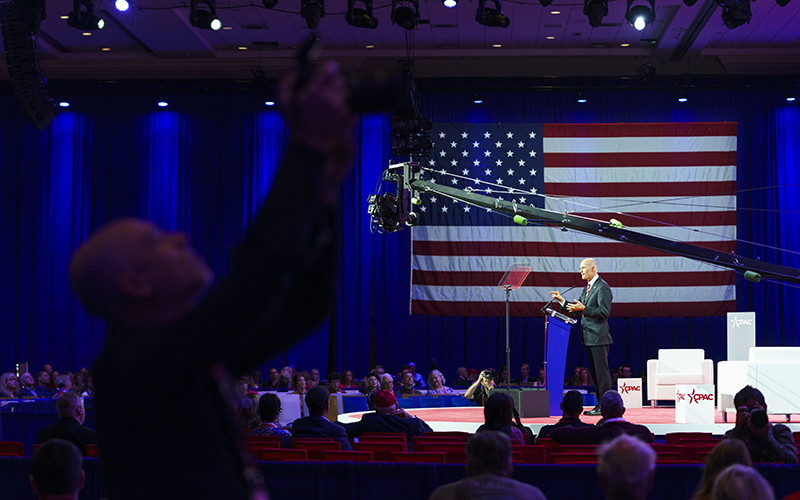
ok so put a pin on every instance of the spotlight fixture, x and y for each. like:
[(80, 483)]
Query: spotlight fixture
[(689, 3), (63, 104), (492, 18), (450, 3), (122, 5), (271, 4), (790, 96), (683, 96), (162, 104), (735, 12), (581, 99), (84, 20), (595, 10), (640, 16), (205, 19), (545, 3), (782, 3), (477, 98), (405, 13), (312, 11), (360, 18)]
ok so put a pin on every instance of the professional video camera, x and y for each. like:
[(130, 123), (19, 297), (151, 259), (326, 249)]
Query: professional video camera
[(390, 212)]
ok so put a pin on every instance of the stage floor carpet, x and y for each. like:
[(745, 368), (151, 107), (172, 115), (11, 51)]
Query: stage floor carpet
[(660, 421)]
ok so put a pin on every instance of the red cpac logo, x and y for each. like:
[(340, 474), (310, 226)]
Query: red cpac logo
[(695, 397), (625, 389)]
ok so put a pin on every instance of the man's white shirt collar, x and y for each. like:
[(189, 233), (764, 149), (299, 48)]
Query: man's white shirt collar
[(593, 280)]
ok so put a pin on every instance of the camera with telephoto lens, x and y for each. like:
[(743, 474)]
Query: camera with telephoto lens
[(758, 417), (490, 375)]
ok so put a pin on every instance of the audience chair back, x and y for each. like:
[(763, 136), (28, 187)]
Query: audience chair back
[(92, 451), (251, 440), (418, 440), (315, 450), (381, 452), (462, 436), (400, 438), (455, 453), (12, 449), (675, 437), (347, 456), (574, 458), (428, 457), (281, 455), (530, 454)]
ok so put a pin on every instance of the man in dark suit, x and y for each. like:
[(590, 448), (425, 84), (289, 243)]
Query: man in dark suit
[(595, 306), (388, 418), (316, 424), (612, 409), (70, 426), (571, 408), (57, 471)]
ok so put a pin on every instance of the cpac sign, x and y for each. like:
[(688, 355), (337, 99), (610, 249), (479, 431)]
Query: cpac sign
[(694, 397), (737, 323), (694, 404), (630, 389)]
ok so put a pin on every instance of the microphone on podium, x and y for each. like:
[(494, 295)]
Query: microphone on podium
[(551, 299)]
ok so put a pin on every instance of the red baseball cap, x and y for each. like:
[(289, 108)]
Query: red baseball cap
[(385, 399)]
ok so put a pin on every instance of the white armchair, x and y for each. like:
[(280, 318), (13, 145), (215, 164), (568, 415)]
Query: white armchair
[(677, 367), (770, 370)]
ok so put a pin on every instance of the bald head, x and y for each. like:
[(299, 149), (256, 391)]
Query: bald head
[(130, 268), (588, 269)]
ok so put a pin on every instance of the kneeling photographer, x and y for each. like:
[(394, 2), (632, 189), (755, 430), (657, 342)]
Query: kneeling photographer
[(766, 442), (481, 389)]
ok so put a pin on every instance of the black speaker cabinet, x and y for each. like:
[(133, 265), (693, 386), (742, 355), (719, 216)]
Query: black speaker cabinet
[(529, 403)]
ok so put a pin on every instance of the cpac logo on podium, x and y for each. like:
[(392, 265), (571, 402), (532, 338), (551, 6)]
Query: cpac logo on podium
[(736, 322), (695, 397), (625, 389)]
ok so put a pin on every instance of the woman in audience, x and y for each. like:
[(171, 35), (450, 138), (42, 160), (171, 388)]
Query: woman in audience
[(436, 384), (9, 386), (581, 378), (42, 388), (334, 383), (247, 411), (299, 383), (739, 482), (348, 380), (286, 376), (728, 452), (269, 408), (313, 379), (78, 383), (539, 382), (370, 388), (497, 414)]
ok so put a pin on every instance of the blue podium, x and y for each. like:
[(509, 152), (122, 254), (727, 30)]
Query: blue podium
[(556, 340)]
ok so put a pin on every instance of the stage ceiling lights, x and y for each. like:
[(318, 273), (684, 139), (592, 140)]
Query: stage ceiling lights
[(581, 98), (477, 98), (122, 5), (640, 16), (689, 3), (450, 3), (405, 13), (735, 12), (545, 3), (595, 11), (790, 96), (270, 4), (360, 18), (683, 96), (202, 18), (782, 3), (312, 11), (492, 18), (84, 20)]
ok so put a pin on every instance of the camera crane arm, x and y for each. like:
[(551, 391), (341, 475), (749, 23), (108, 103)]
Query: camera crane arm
[(753, 269)]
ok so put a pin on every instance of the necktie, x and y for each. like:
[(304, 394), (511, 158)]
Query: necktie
[(588, 287)]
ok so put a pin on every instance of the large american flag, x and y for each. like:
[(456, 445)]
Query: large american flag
[(673, 180)]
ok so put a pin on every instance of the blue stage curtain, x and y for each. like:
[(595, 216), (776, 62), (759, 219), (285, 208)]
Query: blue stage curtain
[(203, 165)]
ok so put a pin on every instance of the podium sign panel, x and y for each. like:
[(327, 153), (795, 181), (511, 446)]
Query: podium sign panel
[(631, 391), (557, 339), (741, 335), (694, 404)]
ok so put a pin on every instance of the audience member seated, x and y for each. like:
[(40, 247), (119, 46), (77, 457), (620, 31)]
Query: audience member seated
[(247, 411), (497, 415), (9, 386), (269, 409), (625, 468), (386, 382), (242, 387), (286, 375), (767, 442), (571, 408), (739, 482), (313, 379), (274, 381), (316, 424), (489, 472), (334, 383), (524, 375), (728, 452), (370, 389), (42, 382), (378, 370), (408, 385), (89, 392), (502, 376), (436, 384), (53, 376), (78, 382), (63, 384), (71, 414), (524, 429), (57, 471), (299, 383), (388, 418), (419, 381), (256, 380), (472, 375), (481, 389), (581, 378), (612, 409), (27, 386), (348, 380), (461, 379)]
